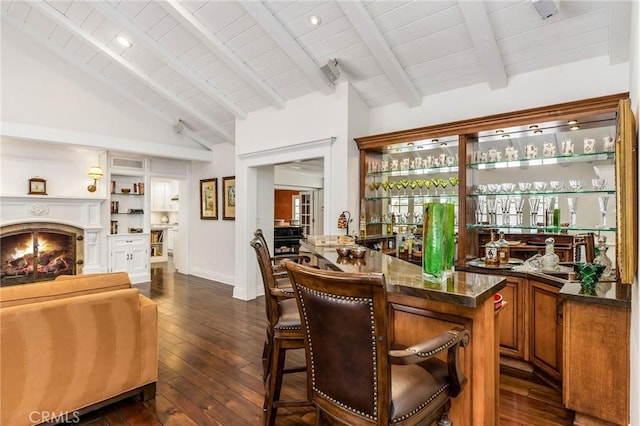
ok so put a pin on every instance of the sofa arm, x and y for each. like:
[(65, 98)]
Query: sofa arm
[(148, 340)]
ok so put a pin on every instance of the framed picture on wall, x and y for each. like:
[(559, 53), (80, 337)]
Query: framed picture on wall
[(209, 199), (229, 198)]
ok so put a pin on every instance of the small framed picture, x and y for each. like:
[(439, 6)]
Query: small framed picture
[(209, 199), (229, 198)]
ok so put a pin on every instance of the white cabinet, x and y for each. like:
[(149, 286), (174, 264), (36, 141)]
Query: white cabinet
[(130, 253), (161, 194), (172, 235)]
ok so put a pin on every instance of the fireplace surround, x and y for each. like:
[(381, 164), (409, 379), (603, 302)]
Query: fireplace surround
[(43, 237)]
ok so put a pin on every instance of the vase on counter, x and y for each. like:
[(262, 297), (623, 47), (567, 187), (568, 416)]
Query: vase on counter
[(589, 274), (438, 239)]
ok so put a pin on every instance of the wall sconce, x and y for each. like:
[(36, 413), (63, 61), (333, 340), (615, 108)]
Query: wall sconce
[(343, 221), (95, 173)]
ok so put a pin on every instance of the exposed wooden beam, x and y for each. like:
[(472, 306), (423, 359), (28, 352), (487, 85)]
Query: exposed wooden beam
[(226, 55), (65, 23), (176, 64), (619, 31), (19, 25), (370, 34), (281, 36), (487, 52)]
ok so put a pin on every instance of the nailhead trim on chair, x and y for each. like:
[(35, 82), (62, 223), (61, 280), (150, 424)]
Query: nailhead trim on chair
[(421, 406), (438, 349), (369, 302)]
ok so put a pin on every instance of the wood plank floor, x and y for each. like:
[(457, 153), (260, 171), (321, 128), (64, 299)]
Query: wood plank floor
[(210, 371)]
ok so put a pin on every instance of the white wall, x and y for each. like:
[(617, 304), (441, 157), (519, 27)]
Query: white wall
[(211, 243)]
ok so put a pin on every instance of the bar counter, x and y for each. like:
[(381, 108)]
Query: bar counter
[(420, 309)]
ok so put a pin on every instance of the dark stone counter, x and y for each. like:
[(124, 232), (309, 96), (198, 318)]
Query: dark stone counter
[(462, 288)]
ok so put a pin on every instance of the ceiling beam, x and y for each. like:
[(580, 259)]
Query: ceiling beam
[(169, 120), (176, 64), (65, 23), (375, 41), (281, 36), (486, 47), (226, 55), (619, 31)]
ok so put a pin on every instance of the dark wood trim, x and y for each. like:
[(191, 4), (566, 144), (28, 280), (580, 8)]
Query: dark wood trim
[(574, 109)]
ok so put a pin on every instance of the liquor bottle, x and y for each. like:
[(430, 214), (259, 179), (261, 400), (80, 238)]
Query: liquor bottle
[(503, 250), (363, 220), (491, 259)]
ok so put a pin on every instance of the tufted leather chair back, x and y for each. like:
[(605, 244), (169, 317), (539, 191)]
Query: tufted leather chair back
[(268, 279), (344, 319)]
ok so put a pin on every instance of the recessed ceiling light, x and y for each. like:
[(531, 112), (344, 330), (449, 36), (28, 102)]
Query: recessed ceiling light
[(410, 144), (434, 140), (123, 40), (443, 144), (574, 127), (505, 136), (499, 131), (533, 126), (315, 20), (420, 147), (571, 122), (537, 132)]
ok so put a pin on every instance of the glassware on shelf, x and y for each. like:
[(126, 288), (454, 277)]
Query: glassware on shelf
[(386, 186), (598, 184), (534, 204), (524, 186), (508, 188), (550, 259), (505, 204), (549, 209), (573, 209), (492, 210), (576, 184), (443, 183), (480, 208), (603, 201), (404, 183), (413, 184), (556, 185), (602, 258), (427, 185), (376, 186), (539, 186), (420, 183), (519, 204), (454, 182), (493, 188)]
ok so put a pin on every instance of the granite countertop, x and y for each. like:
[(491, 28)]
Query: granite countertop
[(462, 288), (607, 292)]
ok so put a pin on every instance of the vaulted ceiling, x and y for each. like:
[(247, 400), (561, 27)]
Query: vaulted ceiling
[(208, 63)]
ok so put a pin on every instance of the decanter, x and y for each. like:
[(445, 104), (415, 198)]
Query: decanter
[(602, 258), (550, 259)]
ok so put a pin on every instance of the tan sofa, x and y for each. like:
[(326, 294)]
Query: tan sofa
[(73, 345)]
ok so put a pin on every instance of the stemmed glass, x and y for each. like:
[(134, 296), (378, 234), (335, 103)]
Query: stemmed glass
[(573, 209), (519, 203), (443, 184), (376, 186), (603, 201), (534, 203), (436, 183), (576, 184), (404, 183), (598, 184), (427, 184), (420, 185), (412, 185), (505, 203), (386, 186), (480, 206), (492, 206), (454, 181), (549, 208)]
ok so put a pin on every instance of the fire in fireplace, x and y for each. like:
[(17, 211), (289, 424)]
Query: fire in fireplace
[(38, 254)]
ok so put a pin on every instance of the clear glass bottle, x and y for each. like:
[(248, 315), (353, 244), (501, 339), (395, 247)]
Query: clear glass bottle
[(504, 251), (550, 259), (602, 258), (491, 259)]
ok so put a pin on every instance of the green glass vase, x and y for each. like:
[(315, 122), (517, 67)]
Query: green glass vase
[(438, 239), (589, 274)]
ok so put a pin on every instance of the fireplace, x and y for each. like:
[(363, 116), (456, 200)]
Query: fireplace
[(39, 251)]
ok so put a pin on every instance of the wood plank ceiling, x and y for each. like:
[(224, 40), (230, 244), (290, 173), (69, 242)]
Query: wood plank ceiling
[(209, 63)]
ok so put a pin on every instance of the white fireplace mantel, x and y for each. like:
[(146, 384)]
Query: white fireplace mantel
[(82, 212)]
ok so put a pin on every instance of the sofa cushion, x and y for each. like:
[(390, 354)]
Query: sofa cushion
[(67, 287)]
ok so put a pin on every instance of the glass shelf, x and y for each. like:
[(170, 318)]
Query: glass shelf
[(517, 193), (422, 171), (539, 228), (127, 193), (405, 197), (129, 213), (559, 159)]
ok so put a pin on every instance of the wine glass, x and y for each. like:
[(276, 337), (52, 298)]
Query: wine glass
[(556, 185), (412, 185), (576, 184), (420, 185), (492, 206), (404, 183), (505, 204), (539, 186), (480, 206), (603, 201), (549, 207), (427, 185), (519, 203), (376, 186), (573, 209), (524, 186), (443, 183), (534, 203), (598, 184), (435, 182), (454, 181)]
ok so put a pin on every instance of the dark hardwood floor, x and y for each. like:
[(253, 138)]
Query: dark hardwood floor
[(210, 371)]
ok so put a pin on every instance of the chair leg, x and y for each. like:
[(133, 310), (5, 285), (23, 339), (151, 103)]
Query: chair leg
[(444, 418), (274, 384)]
